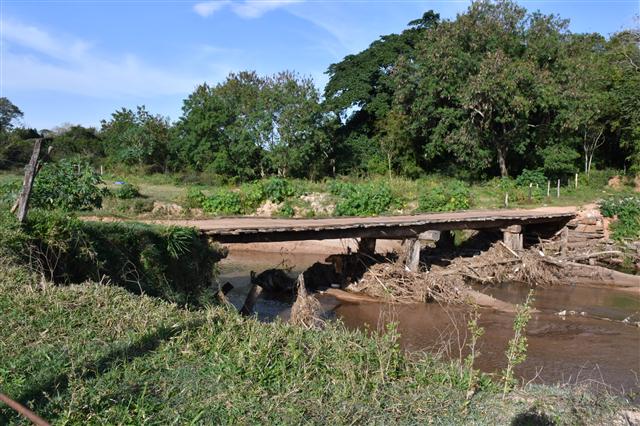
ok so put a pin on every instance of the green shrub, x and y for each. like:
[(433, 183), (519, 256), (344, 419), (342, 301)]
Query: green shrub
[(363, 199), (127, 191), (176, 264), (451, 196), (627, 211), (286, 210), (278, 189), (535, 177), (9, 191), (68, 186), (224, 201), (253, 195), (194, 198)]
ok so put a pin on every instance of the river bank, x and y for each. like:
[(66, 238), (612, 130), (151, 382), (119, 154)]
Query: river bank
[(94, 353)]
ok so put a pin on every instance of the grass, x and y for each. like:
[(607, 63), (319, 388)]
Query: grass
[(96, 354)]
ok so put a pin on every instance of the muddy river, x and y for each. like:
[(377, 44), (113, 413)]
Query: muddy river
[(578, 334)]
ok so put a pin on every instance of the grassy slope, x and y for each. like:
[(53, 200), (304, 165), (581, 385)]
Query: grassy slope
[(92, 354)]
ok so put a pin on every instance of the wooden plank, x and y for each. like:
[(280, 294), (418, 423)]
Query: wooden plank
[(394, 231)]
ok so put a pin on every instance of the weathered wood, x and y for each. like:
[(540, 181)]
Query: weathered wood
[(564, 240), (250, 301), (512, 237), (245, 230), (27, 184), (413, 248)]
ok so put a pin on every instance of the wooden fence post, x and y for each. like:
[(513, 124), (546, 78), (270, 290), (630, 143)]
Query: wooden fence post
[(27, 184), (558, 190), (548, 188)]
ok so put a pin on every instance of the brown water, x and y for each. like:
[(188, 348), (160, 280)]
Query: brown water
[(594, 344)]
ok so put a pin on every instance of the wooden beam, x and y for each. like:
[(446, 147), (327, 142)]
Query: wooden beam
[(392, 231)]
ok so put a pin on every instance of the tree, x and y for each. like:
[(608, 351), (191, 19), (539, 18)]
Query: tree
[(137, 138), (361, 88), (298, 145), (586, 94), (8, 113), (76, 140), (224, 128), (623, 55), (479, 90)]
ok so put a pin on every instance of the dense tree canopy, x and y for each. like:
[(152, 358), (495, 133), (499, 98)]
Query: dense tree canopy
[(495, 91)]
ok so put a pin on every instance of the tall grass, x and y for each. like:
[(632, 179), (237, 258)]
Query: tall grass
[(96, 354)]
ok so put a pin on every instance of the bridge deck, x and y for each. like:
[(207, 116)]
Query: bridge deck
[(255, 229)]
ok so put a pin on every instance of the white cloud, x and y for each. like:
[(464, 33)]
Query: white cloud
[(207, 8), (248, 9), (256, 8), (33, 59)]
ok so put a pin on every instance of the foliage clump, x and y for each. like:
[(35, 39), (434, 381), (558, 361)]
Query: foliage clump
[(127, 191), (223, 202), (176, 264), (68, 186), (366, 199), (450, 196), (278, 189), (627, 212)]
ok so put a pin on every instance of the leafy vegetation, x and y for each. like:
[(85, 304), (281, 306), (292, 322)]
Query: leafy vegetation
[(127, 191), (93, 353), (173, 263), (450, 196), (68, 186), (627, 212), (364, 199)]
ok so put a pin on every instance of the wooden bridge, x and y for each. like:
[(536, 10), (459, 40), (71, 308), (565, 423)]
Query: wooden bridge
[(255, 229)]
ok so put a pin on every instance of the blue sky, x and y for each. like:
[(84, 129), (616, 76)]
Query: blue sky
[(78, 61)]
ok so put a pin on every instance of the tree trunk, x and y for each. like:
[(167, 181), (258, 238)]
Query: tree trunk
[(502, 161)]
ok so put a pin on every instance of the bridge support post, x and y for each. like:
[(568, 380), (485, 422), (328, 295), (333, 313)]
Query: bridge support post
[(512, 237), (412, 261), (367, 246)]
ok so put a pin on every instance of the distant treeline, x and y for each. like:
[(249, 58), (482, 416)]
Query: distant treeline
[(491, 93)]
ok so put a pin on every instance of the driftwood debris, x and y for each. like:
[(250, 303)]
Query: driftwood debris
[(306, 310)]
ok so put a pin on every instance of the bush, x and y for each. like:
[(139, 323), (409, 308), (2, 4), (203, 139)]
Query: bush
[(535, 177), (253, 195), (174, 263), (627, 211), (451, 196), (286, 210), (363, 199), (67, 186), (226, 202), (9, 192), (127, 191), (278, 189), (195, 198)]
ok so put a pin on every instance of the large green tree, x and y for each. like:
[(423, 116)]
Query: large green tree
[(479, 92), (137, 138), (360, 92)]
